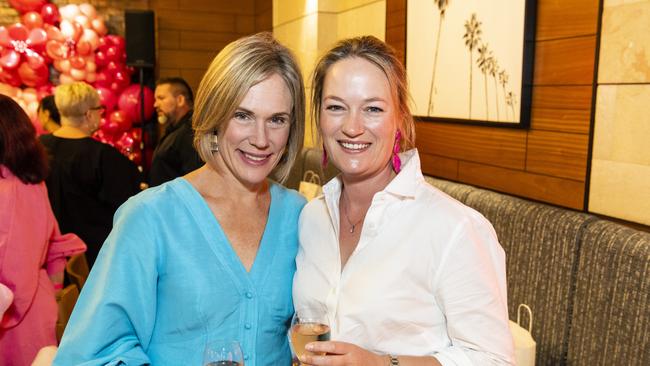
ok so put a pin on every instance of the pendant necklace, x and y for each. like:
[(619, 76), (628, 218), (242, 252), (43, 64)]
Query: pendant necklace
[(345, 213)]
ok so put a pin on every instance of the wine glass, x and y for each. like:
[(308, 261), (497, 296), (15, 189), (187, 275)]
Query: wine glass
[(309, 324), (223, 353)]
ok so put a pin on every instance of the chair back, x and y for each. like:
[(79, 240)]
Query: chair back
[(77, 270), (66, 299)]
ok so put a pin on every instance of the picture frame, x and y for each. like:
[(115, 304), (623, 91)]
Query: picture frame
[(471, 61)]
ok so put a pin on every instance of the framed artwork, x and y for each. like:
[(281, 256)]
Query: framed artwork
[(471, 61)]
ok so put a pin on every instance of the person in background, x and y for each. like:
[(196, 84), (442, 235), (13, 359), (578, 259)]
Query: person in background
[(88, 180), (32, 249), (408, 275), (210, 255), (175, 154), (48, 114)]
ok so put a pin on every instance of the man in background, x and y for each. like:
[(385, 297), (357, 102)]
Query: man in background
[(175, 154)]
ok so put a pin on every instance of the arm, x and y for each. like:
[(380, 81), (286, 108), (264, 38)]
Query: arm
[(341, 353), (113, 320)]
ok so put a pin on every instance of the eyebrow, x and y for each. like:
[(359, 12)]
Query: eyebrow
[(242, 109), (373, 99)]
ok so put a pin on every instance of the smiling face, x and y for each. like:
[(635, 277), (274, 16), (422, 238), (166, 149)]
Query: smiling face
[(358, 118), (255, 137)]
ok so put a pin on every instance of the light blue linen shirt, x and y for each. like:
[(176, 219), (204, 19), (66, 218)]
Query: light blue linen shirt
[(167, 281)]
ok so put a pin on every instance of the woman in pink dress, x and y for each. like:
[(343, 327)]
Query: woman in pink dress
[(32, 250)]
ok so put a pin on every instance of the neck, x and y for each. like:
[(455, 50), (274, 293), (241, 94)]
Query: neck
[(218, 184), (68, 130), (361, 191)]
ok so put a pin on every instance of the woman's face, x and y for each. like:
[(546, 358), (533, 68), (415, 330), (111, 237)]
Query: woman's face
[(358, 118), (257, 133)]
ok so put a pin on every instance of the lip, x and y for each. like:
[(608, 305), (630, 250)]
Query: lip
[(254, 159), (354, 147)]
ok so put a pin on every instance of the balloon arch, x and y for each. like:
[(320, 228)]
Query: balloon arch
[(52, 46)]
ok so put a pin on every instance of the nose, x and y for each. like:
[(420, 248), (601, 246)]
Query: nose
[(353, 124), (259, 137)]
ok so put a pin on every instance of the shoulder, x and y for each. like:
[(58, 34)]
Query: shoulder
[(289, 198)]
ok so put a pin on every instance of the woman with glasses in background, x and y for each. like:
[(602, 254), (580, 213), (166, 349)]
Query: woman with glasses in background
[(88, 179)]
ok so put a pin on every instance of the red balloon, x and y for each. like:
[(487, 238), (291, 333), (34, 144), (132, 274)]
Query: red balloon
[(100, 58), (24, 6), (117, 41), (106, 98), (32, 20), (50, 14), (33, 76), (129, 102), (121, 119), (104, 78), (113, 54), (125, 143), (10, 76)]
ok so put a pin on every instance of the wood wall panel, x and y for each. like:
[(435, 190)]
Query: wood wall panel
[(191, 40), (239, 7), (548, 161), (557, 154), (560, 19), (439, 166), (568, 61), (181, 59), (505, 148), (557, 191), (565, 120), (191, 20), (562, 97)]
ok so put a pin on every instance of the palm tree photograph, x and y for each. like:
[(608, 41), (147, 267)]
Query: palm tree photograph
[(467, 60)]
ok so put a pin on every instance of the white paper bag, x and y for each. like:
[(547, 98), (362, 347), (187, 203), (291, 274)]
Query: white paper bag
[(310, 185), (525, 345)]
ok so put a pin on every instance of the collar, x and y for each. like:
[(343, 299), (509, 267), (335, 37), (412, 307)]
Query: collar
[(187, 118), (404, 185)]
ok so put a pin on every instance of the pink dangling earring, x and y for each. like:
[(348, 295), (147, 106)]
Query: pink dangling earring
[(324, 160), (397, 163)]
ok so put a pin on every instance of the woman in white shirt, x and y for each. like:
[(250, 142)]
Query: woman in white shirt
[(408, 275)]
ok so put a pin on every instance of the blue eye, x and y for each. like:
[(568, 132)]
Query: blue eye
[(279, 121), (334, 107), (241, 116), (374, 109)]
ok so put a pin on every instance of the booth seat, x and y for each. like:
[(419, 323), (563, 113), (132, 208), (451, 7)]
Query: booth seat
[(586, 279)]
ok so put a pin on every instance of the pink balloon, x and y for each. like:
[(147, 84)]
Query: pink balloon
[(32, 20), (24, 6), (69, 11), (66, 79), (50, 14), (129, 102), (121, 119), (78, 74), (106, 98), (88, 10), (91, 77), (99, 26)]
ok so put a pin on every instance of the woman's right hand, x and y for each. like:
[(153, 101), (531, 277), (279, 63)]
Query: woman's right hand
[(341, 354)]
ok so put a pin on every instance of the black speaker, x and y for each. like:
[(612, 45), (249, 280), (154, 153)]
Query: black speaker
[(140, 38)]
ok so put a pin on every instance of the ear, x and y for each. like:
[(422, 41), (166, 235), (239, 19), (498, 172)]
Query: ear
[(180, 100)]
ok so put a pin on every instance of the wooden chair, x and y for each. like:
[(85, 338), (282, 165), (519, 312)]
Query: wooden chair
[(77, 270), (66, 299)]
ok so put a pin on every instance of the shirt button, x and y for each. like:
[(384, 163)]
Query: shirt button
[(247, 326), (246, 358), (249, 295)]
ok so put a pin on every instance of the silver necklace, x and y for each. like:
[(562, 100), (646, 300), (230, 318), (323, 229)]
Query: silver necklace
[(345, 213)]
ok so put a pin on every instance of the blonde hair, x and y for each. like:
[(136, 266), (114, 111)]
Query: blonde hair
[(74, 100), (239, 66), (381, 55)]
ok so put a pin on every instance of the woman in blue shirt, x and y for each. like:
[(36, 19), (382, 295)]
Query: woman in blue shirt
[(209, 255)]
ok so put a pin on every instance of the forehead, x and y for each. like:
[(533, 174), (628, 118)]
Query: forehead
[(163, 90), (356, 75)]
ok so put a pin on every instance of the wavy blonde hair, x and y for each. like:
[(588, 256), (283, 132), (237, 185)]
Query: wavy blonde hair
[(239, 66)]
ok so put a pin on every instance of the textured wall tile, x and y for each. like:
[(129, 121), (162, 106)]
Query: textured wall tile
[(625, 43)]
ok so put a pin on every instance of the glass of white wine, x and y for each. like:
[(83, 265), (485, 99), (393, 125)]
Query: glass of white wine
[(309, 324), (223, 353)]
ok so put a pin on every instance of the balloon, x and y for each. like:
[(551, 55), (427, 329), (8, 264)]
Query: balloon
[(32, 20), (113, 54), (100, 58), (88, 10), (106, 98), (121, 119), (50, 14), (24, 6), (33, 76), (10, 76), (104, 78), (78, 74), (69, 11), (99, 26), (129, 102), (117, 41), (125, 143)]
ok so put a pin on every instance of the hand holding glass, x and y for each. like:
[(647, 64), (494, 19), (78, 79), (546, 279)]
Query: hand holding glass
[(308, 325), (223, 353)]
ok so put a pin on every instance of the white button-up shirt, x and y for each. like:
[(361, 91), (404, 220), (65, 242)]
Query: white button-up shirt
[(426, 278)]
